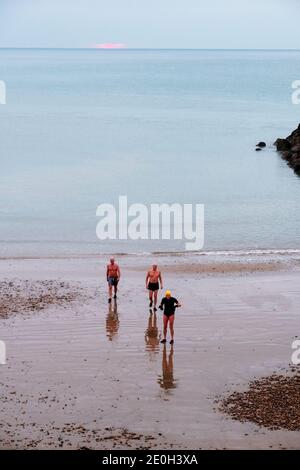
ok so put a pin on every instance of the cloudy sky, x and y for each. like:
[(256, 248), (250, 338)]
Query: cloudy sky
[(237, 24)]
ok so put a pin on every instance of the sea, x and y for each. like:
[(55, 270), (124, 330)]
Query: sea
[(82, 127)]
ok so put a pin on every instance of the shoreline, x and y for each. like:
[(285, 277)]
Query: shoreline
[(216, 252), (177, 263)]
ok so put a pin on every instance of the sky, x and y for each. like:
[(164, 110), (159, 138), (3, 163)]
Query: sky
[(199, 24)]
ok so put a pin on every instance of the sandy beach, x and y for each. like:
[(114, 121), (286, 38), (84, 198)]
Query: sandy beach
[(82, 375)]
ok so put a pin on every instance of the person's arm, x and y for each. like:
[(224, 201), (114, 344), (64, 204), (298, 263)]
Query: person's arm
[(147, 277), (161, 281), (162, 304), (119, 272), (107, 272), (178, 304)]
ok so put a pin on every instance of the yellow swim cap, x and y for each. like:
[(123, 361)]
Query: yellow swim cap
[(168, 293)]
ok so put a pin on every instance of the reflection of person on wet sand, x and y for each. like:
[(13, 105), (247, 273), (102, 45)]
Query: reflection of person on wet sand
[(112, 321), (151, 333), (166, 381)]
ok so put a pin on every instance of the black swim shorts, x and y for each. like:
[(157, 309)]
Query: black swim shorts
[(154, 286)]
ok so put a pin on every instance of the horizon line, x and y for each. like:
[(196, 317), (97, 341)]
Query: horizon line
[(150, 49)]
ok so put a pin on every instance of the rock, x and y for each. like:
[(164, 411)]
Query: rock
[(289, 149), (286, 155), (258, 149), (294, 160), (297, 169), (271, 402), (261, 144), (282, 145)]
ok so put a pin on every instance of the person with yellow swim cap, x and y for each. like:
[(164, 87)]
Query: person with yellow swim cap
[(169, 305)]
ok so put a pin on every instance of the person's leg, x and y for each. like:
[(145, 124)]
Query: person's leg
[(155, 299), (171, 319), (116, 289), (166, 320), (150, 297), (109, 291)]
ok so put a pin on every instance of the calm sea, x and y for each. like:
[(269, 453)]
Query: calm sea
[(82, 127)]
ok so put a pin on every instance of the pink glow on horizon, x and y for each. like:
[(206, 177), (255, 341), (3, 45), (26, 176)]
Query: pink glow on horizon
[(111, 45)]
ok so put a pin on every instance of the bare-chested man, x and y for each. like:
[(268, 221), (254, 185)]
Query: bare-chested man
[(153, 279), (113, 275)]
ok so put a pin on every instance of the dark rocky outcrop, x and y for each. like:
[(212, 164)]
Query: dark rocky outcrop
[(289, 149), (282, 145)]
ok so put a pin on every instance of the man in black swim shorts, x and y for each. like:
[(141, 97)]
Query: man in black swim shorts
[(153, 279)]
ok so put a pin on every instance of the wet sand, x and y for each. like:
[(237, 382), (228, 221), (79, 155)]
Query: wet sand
[(82, 375)]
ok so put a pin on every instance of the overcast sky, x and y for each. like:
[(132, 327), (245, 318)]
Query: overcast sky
[(237, 24)]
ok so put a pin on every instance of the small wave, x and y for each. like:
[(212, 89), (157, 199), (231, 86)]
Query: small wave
[(75, 254), (248, 252), (270, 251)]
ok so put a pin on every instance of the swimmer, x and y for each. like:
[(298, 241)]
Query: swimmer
[(153, 281), (169, 305)]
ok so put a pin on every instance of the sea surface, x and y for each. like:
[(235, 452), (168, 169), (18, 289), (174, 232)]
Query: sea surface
[(82, 127)]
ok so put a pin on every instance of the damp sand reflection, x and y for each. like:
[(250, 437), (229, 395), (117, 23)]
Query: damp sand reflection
[(152, 336), (166, 379), (112, 322)]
